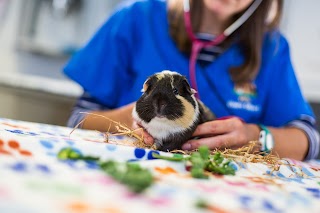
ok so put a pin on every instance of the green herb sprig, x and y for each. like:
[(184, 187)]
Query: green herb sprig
[(72, 154), (202, 161), (136, 178)]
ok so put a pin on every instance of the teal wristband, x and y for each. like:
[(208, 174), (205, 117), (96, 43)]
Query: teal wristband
[(266, 139)]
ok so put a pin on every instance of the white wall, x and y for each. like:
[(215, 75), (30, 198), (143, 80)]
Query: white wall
[(301, 26)]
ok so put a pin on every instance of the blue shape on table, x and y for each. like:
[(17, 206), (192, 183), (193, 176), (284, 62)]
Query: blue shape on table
[(69, 142), (92, 165), (111, 147), (150, 157), (307, 172), (245, 200), (19, 166), (16, 131), (314, 191), (32, 133), (269, 206), (139, 153), (43, 168), (234, 166), (46, 144)]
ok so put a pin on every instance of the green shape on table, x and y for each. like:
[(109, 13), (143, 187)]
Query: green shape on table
[(202, 161), (69, 153), (131, 174), (136, 178)]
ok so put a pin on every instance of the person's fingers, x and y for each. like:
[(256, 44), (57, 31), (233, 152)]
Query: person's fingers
[(216, 142), (218, 127), (147, 138), (139, 130)]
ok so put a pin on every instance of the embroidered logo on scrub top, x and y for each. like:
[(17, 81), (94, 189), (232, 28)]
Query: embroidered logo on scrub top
[(245, 93)]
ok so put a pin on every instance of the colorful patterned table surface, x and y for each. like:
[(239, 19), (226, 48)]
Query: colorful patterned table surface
[(33, 179)]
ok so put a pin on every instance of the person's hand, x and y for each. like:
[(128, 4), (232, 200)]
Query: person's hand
[(147, 138), (226, 133)]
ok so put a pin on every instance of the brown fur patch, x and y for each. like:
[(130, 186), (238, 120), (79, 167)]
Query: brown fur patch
[(189, 115)]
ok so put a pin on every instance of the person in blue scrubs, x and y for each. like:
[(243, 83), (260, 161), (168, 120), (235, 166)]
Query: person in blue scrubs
[(246, 78)]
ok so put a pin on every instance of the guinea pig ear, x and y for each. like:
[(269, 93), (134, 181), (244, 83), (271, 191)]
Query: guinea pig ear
[(193, 91), (145, 86)]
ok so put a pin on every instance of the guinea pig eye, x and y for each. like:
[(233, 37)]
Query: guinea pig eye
[(175, 91)]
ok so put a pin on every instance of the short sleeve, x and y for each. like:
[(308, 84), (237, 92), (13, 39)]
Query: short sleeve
[(284, 102), (102, 66)]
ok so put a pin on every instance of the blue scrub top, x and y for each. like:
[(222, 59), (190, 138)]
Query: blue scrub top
[(134, 43)]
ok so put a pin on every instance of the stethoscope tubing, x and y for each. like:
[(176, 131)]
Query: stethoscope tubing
[(197, 44)]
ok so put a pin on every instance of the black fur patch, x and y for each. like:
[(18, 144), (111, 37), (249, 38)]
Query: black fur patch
[(160, 99)]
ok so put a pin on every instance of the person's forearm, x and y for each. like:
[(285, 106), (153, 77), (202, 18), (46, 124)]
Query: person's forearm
[(100, 120), (288, 142)]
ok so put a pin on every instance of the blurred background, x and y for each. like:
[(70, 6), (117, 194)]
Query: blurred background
[(37, 37)]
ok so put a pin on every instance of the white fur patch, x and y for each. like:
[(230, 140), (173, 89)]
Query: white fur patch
[(161, 128), (162, 74)]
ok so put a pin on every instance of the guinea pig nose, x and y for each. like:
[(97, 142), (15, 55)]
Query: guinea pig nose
[(159, 105)]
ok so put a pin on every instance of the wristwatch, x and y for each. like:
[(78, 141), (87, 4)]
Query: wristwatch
[(266, 139)]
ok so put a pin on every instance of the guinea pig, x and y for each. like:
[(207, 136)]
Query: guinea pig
[(169, 111)]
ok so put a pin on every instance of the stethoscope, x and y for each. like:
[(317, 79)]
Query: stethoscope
[(197, 44)]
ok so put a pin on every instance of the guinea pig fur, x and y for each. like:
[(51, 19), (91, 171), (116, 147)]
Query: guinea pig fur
[(169, 111)]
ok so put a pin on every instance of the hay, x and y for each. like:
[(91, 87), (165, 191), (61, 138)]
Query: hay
[(245, 154), (122, 130)]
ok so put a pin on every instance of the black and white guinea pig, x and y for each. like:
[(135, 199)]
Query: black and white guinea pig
[(169, 111)]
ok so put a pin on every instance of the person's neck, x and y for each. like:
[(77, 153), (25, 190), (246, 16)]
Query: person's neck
[(213, 24)]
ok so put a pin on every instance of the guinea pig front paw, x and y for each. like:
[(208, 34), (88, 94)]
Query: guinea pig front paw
[(167, 147), (158, 145)]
